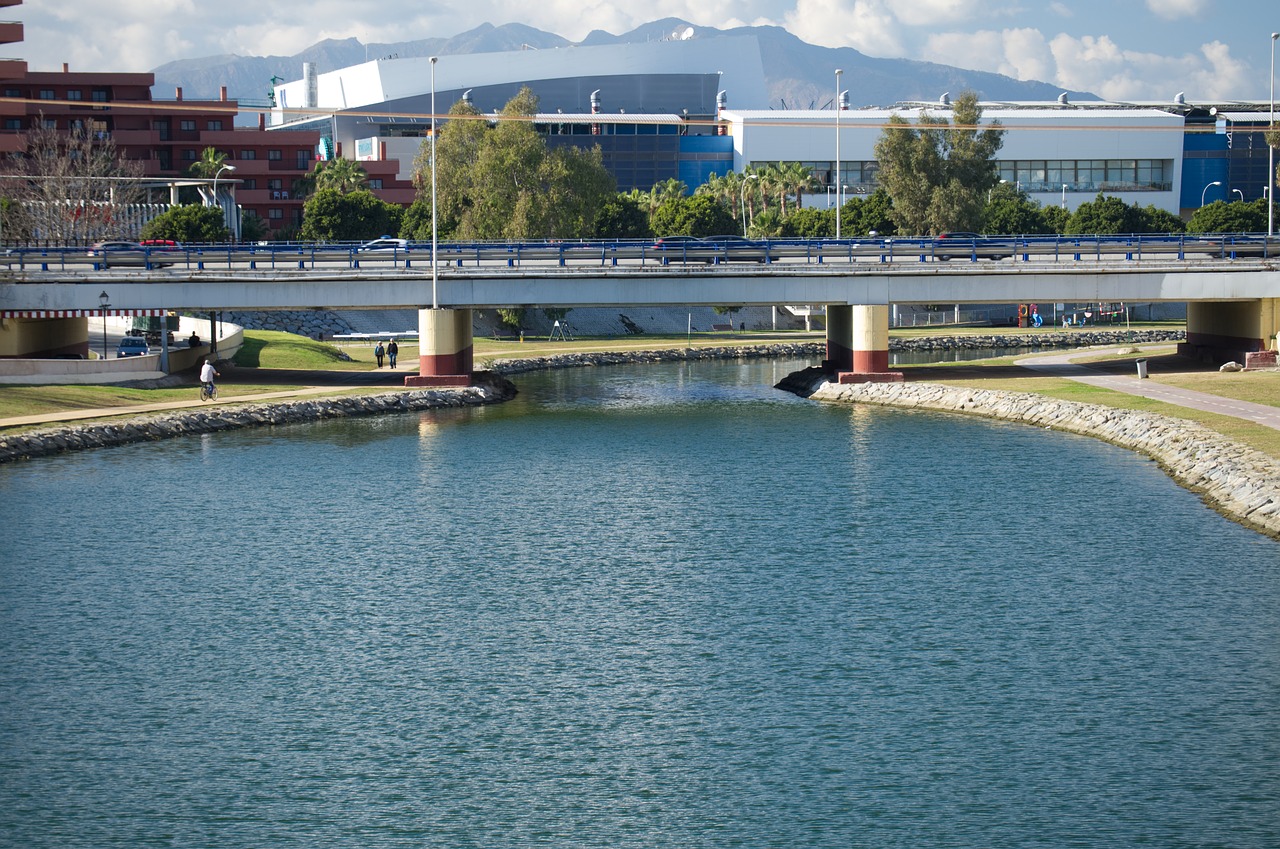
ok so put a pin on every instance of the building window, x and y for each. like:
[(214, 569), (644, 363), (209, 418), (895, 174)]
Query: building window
[(248, 154), (161, 126), (275, 214), (303, 159), (187, 126), (12, 92), (13, 123), (99, 95), (46, 94), (50, 123), (249, 184), (215, 125), (374, 182), (189, 155), (275, 185), (274, 155), (74, 94)]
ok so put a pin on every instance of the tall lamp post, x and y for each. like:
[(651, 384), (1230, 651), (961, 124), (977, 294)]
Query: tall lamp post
[(435, 301), (1238, 192), (1206, 189), (839, 73), (742, 199), (1271, 151), (105, 302)]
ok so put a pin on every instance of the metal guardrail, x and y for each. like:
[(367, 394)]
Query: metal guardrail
[(606, 253)]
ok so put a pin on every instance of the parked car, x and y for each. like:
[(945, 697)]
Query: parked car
[(968, 245), (133, 346)]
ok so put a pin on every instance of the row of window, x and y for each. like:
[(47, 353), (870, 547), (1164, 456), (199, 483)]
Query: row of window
[(1032, 175), (97, 95), (1088, 174)]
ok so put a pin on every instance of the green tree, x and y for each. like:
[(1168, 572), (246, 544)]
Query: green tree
[(192, 223), (1010, 212), (1111, 215), (938, 172), (416, 224), (700, 215), (502, 182), (809, 223), (1219, 217), (872, 214), (253, 228), (331, 216), (623, 217)]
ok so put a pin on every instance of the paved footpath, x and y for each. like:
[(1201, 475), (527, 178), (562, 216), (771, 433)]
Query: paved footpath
[(1061, 365), (106, 412)]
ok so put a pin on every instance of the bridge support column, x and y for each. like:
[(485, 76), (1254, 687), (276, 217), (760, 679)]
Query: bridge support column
[(839, 339), (870, 347), (1223, 331), (444, 349)]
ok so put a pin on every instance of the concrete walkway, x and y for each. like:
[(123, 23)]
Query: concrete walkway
[(105, 412), (1061, 365)]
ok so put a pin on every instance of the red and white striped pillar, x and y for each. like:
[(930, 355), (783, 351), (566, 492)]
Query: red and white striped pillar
[(870, 344), (445, 349)]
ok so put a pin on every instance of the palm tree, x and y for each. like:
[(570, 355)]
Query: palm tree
[(345, 175), (211, 161), (796, 180)]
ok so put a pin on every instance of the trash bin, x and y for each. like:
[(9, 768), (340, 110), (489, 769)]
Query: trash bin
[(1142, 369)]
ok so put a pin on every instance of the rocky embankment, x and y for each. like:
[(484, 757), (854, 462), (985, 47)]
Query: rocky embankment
[(46, 441), (1239, 482)]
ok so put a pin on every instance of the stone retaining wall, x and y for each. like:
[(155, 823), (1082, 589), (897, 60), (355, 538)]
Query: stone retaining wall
[(47, 441), (1239, 482)]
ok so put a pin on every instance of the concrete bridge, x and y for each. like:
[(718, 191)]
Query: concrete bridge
[(1233, 303)]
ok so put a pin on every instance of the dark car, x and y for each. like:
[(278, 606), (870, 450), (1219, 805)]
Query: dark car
[(735, 248), (682, 249), (133, 346), (967, 246)]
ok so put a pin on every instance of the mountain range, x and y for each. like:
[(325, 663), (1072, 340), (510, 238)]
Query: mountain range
[(798, 75)]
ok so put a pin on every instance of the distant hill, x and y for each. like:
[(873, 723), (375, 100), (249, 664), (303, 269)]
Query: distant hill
[(798, 75)]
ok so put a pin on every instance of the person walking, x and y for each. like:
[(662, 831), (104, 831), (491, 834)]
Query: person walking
[(392, 350), (379, 352)]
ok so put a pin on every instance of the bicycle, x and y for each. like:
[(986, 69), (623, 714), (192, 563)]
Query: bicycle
[(208, 392)]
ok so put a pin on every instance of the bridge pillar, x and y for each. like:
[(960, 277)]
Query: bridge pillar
[(870, 347), (1222, 331), (444, 349), (839, 339)]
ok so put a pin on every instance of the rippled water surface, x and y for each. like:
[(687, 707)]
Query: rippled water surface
[(637, 607)]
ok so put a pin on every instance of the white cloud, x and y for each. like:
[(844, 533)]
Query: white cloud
[(1019, 53), (1099, 65), (1062, 10), (867, 26), (1174, 9)]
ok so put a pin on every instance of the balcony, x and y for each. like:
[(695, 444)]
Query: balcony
[(10, 32)]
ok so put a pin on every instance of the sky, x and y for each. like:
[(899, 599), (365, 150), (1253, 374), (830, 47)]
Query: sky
[(1118, 49)]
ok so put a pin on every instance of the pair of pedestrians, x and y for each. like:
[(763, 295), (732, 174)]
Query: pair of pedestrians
[(391, 351)]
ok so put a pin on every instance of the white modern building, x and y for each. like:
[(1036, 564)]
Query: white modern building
[(1058, 154)]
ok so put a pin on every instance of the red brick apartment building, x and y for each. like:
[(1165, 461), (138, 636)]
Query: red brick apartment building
[(167, 136)]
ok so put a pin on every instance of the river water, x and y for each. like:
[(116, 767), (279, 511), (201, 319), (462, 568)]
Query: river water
[(661, 606)]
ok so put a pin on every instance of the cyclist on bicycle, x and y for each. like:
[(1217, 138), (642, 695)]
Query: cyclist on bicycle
[(207, 374)]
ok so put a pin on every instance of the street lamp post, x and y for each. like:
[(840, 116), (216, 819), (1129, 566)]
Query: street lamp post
[(435, 301), (742, 199), (215, 189), (1271, 151), (1064, 195), (1206, 189), (105, 301), (839, 73), (1238, 192)]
